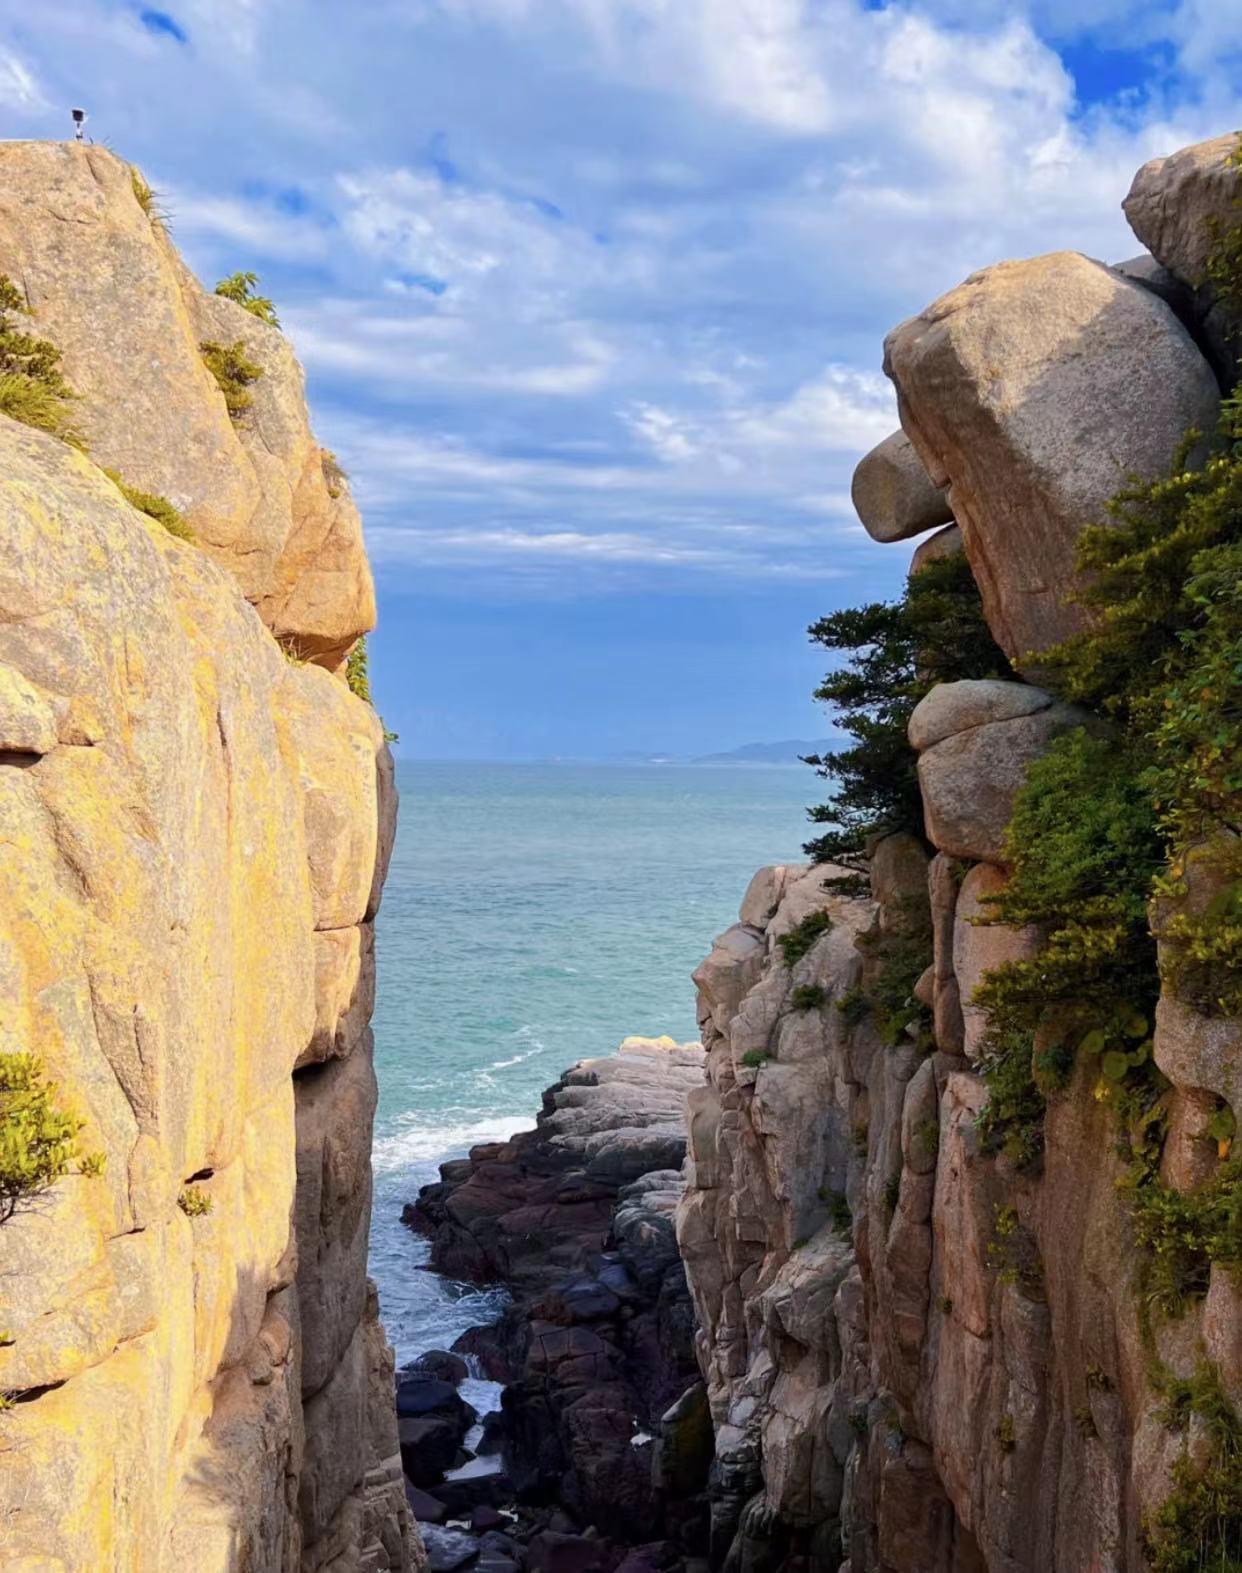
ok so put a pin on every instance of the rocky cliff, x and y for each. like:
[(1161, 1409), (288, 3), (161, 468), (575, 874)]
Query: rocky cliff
[(197, 814), (966, 1263)]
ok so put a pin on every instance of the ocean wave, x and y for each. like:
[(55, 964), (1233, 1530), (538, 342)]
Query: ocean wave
[(427, 1146)]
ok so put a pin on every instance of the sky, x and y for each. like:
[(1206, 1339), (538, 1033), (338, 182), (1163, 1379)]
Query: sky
[(591, 294)]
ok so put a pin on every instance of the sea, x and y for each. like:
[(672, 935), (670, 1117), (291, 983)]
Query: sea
[(535, 915)]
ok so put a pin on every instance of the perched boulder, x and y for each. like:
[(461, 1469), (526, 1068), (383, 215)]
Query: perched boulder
[(1177, 206), (1033, 391), (969, 780), (957, 707), (893, 494)]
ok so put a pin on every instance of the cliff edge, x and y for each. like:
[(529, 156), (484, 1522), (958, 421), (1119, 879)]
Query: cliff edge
[(197, 822)]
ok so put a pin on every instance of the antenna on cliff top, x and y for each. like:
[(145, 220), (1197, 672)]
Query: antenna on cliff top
[(79, 115)]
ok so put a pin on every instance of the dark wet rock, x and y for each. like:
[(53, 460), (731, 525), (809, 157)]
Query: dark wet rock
[(429, 1447), (441, 1364), (424, 1508), (448, 1549)]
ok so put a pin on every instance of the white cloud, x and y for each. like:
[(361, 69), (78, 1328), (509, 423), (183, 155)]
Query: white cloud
[(18, 86)]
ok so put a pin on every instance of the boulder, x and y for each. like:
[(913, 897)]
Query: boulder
[(429, 1446), (970, 779), (893, 494), (945, 543), (439, 1363), (1033, 391), (426, 1509), (1175, 206), (956, 707)]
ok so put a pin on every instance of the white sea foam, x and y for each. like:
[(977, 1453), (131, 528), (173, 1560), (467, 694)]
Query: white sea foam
[(425, 1146)]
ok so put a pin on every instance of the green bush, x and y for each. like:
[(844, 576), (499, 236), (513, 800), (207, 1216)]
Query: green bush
[(148, 198), (154, 506), (194, 1201), (807, 996), (234, 373), (802, 938), (1198, 1527), (239, 288), (754, 1058), (33, 389), (357, 673), (38, 1142), (896, 654)]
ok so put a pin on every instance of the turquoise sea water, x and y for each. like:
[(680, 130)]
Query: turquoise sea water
[(535, 915)]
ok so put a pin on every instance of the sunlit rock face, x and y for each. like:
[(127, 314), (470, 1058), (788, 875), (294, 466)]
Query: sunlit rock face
[(107, 287), (195, 829)]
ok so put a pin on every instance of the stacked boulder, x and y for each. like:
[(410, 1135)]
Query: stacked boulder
[(892, 1390)]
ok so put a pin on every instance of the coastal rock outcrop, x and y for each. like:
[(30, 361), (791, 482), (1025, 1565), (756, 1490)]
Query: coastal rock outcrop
[(944, 1330), (599, 1415), (196, 829)]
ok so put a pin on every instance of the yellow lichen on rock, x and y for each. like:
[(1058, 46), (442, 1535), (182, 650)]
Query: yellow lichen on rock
[(183, 809)]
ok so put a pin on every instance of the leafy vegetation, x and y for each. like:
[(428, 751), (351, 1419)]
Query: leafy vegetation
[(38, 1141), (807, 996), (240, 288), (895, 654), (194, 1201), (754, 1058), (1198, 1527), (357, 674), (33, 389), (154, 506), (234, 373), (802, 938)]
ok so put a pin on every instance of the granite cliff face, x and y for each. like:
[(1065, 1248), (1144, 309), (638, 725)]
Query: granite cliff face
[(923, 1356), (195, 833)]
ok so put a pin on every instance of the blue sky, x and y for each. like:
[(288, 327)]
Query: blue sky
[(591, 293)]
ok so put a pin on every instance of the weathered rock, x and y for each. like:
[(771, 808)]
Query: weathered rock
[(163, 772), (1002, 384), (956, 707), (970, 779), (893, 494), (1177, 206), (980, 946), (945, 543), (108, 289)]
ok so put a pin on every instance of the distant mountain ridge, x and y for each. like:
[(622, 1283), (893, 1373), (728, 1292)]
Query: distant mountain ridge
[(786, 752)]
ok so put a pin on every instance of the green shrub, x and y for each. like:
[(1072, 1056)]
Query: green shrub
[(194, 1201), (802, 938), (1013, 1253), (1180, 1234), (896, 653), (38, 1142), (357, 674), (33, 389), (154, 506), (854, 1006), (92, 1164), (1198, 1527), (807, 996), (234, 373), (239, 287), (899, 959), (754, 1058)]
